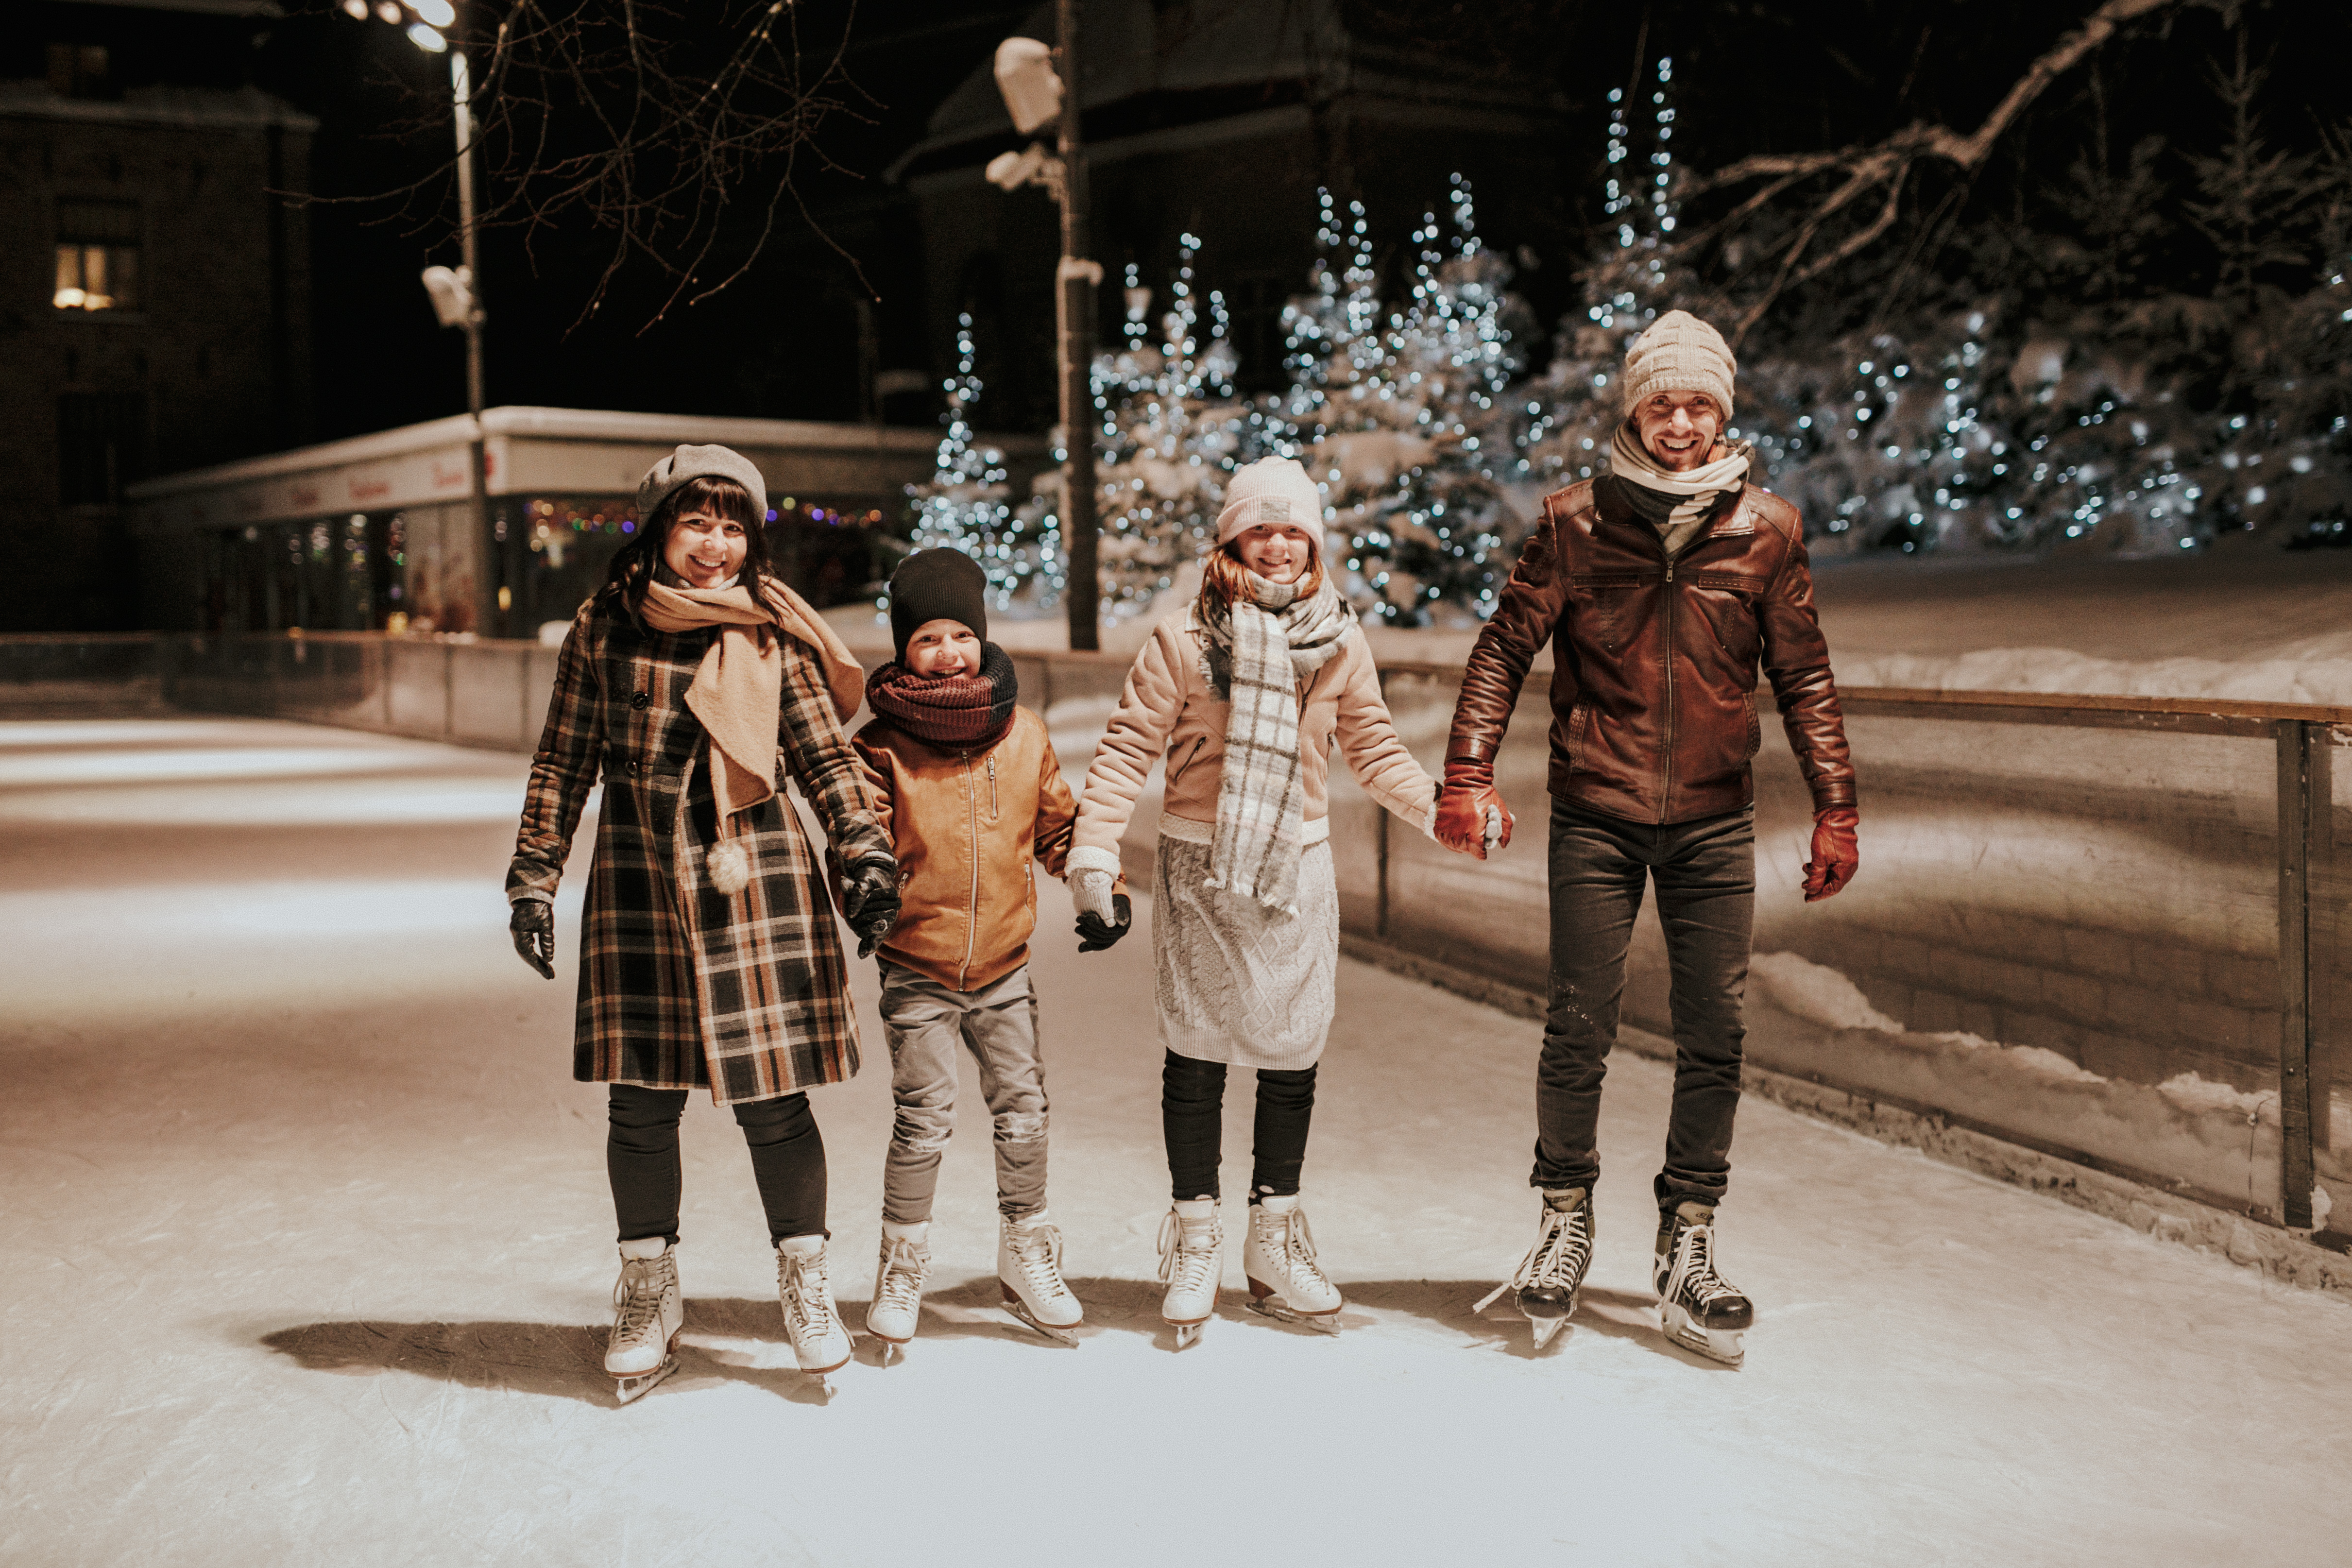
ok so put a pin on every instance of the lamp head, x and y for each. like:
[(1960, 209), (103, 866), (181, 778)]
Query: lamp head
[(1025, 75)]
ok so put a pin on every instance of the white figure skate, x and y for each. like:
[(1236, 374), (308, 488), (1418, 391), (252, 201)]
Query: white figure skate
[(1191, 1256), (819, 1341), (1551, 1277), (1285, 1281), (647, 1314), (898, 1306), (1029, 1271), (1698, 1308)]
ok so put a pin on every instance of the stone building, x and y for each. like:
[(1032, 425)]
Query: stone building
[(156, 277), (1220, 120)]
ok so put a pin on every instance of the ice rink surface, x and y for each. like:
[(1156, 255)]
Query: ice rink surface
[(310, 1252)]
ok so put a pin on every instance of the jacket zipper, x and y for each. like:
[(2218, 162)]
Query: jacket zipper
[(972, 904), (993, 813), (1666, 754)]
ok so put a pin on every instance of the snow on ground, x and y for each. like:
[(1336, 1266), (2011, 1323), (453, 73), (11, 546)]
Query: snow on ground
[(312, 1255)]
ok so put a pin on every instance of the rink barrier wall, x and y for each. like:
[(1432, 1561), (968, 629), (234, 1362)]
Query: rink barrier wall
[(2246, 1003)]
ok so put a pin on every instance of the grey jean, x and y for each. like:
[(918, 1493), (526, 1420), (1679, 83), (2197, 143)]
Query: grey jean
[(1705, 872), (927, 1022)]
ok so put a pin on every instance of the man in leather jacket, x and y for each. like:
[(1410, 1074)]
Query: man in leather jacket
[(1662, 587)]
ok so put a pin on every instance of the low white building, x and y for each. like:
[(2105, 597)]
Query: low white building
[(351, 535)]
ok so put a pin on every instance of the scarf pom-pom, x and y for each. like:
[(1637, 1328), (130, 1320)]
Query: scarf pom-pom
[(729, 868)]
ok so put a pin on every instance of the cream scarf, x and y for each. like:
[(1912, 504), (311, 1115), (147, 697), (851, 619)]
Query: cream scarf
[(1256, 656), (738, 692), (1696, 491)]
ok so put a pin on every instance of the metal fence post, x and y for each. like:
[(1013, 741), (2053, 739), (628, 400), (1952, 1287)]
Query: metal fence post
[(2295, 739)]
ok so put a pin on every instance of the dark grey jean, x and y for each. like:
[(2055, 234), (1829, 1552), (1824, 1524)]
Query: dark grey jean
[(1706, 873)]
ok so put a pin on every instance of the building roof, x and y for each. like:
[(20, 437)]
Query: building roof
[(578, 451), (171, 105)]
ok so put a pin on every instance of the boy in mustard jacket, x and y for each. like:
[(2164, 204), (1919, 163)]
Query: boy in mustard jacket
[(969, 792)]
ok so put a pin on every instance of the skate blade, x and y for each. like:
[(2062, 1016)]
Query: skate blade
[(1715, 1344), (1547, 1329), (635, 1386), (1282, 1312), (1186, 1333), (1020, 1313)]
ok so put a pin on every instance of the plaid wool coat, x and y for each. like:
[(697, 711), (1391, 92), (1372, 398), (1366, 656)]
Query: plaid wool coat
[(682, 986)]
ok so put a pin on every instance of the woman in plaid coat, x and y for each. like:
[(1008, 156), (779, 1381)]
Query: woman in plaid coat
[(708, 955)]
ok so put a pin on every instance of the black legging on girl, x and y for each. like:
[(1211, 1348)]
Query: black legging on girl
[(1191, 1115)]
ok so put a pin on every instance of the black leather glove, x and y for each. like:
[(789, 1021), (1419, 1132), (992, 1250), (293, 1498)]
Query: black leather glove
[(1095, 933), (869, 902), (532, 922)]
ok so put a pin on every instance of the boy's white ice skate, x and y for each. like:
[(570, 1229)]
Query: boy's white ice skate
[(898, 1304), (1284, 1280), (819, 1341), (1029, 1270), (1698, 1308), (1192, 1257), (1549, 1278), (647, 1314)]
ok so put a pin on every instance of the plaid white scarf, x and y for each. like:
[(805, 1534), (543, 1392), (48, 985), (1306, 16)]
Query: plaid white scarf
[(1255, 657)]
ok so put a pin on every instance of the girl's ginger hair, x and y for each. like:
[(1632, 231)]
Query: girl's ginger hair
[(1223, 578)]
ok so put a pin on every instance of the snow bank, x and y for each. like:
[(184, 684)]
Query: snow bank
[(2325, 679), (2218, 1138)]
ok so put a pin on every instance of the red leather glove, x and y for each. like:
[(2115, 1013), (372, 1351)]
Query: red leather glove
[(1834, 853), (1463, 804)]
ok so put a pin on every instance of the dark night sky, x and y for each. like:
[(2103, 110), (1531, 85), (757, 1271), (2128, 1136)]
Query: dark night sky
[(1752, 75)]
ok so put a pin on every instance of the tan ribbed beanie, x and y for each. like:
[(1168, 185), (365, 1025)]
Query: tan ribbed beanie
[(1679, 353)]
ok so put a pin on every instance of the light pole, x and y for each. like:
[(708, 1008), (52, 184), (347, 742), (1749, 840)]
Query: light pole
[(1035, 94), (457, 294)]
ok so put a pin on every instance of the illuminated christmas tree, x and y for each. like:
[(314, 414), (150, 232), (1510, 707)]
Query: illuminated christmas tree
[(964, 504)]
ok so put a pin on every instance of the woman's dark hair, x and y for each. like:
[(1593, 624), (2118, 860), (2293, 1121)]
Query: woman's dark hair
[(634, 567)]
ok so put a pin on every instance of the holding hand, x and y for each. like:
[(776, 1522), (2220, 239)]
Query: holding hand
[(1468, 807), (532, 922), (869, 901), (1103, 916), (1836, 856)]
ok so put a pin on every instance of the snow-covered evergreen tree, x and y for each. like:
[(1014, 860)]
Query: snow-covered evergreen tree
[(965, 503), (1171, 431)]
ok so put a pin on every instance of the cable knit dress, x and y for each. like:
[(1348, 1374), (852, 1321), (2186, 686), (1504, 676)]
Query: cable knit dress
[(1238, 982)]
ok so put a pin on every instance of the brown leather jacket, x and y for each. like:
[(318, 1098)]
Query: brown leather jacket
[(964, 826), (1653, 688)]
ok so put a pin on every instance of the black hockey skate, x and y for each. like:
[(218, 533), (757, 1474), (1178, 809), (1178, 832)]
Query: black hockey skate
[(1698, 1308), (1549, 1278)]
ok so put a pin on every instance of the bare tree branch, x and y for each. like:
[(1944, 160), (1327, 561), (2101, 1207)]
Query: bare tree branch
[(1887, 164)]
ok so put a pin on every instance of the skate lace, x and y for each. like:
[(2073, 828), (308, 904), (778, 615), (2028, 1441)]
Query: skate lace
[(808, 1293), (638, 1294), (1700, 1282), (1039, 1250), (902, 1277), (1189, 1257), (1558, 1257), (1296, 1247)]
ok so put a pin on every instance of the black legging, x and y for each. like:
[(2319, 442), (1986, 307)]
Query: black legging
[(641, 1157), (1191, 1115)]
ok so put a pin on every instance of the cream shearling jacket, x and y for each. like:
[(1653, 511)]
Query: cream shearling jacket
[(1169, 707)]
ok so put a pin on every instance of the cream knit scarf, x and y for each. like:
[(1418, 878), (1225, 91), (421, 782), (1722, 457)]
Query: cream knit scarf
[(1256, 656), (738, 692), (1697, 491)]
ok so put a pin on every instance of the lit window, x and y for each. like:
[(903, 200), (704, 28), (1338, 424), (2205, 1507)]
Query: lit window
[(98, 256)]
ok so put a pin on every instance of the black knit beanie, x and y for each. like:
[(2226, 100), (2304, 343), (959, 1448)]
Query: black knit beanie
[(937, 586)]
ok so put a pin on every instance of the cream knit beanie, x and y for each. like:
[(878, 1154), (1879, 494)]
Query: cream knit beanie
[(1679, 353), (1271, 490)]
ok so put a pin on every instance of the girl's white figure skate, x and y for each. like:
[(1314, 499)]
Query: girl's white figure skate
[(1549, 1279), (647, 1314), (1029, 1271), (1191, 1256), (819, 1341), (1284, 1280), (1698, 1308), (898, 1305)]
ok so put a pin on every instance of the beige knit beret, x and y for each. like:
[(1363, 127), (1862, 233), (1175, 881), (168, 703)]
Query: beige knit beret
[(1679, 353), (1271, 490), (699, 463)]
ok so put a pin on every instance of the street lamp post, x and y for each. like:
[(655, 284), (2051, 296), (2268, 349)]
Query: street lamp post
[(1035, 94), (457, 294)]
